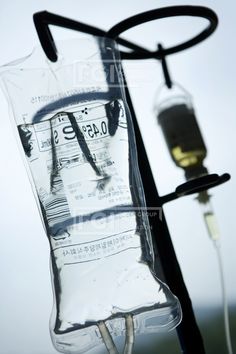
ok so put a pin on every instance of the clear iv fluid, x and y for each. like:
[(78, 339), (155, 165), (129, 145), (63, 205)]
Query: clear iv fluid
[(99, 235)]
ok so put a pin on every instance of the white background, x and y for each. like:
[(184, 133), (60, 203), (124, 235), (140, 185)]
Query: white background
[(208, 72)]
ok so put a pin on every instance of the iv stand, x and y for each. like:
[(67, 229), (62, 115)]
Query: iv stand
[(190, 338)]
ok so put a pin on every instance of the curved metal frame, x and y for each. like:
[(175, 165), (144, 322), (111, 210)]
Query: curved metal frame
[(43, 19), (165, 12)]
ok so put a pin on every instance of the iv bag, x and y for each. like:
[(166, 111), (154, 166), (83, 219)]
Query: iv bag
[(176, 116), (77, 138)]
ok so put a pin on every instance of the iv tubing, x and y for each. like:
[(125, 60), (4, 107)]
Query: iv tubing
[(107, 338), (215, 235), (224, 298), (129, 339)]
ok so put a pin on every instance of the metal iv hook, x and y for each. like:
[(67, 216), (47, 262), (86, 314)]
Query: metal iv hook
[(165, 70)]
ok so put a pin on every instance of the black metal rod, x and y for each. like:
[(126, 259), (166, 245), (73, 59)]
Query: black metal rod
[(165, 69)]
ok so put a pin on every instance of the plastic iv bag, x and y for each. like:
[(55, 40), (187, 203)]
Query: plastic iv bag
[(76, 132)]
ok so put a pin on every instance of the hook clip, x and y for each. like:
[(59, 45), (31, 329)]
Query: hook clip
[(166, 73)]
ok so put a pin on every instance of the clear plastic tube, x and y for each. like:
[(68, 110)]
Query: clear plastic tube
[(214, 234), (129, 340), (107, 338), (224, 298)]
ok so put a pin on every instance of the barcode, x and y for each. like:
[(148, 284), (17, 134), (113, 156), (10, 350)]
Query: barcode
[(57, 210), (56, 205)]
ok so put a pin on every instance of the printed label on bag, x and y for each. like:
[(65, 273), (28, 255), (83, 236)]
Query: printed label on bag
[(80, 164)]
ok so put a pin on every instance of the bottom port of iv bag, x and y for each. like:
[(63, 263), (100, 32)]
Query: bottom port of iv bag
[(107, 290), (88, 338)]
